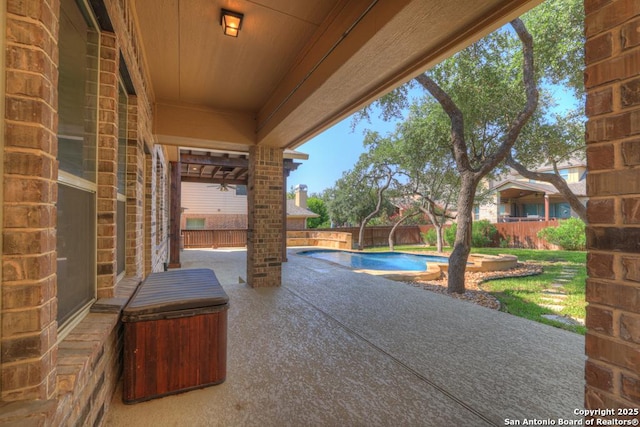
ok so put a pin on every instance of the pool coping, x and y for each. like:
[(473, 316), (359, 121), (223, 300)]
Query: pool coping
[(434, 271)]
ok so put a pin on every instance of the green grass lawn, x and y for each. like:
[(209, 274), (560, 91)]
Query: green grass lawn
[(525, 296)]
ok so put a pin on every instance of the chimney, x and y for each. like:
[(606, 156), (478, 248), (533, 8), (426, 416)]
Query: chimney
[(301, 195)]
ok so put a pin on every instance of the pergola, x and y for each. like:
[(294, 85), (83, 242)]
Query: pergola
[(229, 168)]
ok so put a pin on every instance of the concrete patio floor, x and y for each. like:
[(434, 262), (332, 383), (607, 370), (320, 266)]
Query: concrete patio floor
[(336, 348)]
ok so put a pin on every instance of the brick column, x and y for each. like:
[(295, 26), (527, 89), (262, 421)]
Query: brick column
[(612, 79), (149, 214), (265, 216), (135, 251), (174, 223), (107, 165), (29, 305)]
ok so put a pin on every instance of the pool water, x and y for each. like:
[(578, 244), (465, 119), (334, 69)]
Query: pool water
[(386, 261)]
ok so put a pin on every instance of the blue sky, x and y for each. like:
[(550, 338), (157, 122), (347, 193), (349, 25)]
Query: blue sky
[(332, 152)]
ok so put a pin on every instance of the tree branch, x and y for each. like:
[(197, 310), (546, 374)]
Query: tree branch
[(554, 179), (527, 111), (389, 177), (457, 121)]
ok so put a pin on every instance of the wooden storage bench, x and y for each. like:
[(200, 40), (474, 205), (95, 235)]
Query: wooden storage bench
[(175, 334)]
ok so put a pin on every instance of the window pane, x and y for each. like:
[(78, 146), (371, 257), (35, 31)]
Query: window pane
[(122, 141), (76, 205), (76, 246), (77, 97), (195, 223), (121, 235), (563, 210)]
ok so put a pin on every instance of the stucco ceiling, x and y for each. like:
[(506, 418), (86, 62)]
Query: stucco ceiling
[(191, 61), (298, 66)]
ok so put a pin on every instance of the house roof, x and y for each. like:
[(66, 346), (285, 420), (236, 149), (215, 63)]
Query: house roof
[(578, 188), (294, 211)]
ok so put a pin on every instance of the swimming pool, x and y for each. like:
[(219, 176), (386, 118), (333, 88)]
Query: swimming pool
[(384, 261)]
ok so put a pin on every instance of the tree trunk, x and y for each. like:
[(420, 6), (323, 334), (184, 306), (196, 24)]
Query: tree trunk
[(462, 244), (439, 237), (472, 175), (395, 226), (361, 236), (437, 224), (377, 209)]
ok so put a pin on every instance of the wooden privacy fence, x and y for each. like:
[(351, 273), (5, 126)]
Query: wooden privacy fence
[(523, 234), (214, 238), (379, 235), (510, 234)]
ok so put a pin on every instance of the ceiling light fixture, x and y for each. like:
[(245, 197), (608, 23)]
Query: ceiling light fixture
[(231, 22)]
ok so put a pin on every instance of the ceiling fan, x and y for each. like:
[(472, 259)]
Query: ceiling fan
[(223, 185)]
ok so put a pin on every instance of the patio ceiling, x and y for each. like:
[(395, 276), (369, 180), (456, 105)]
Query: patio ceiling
[(297, 67)]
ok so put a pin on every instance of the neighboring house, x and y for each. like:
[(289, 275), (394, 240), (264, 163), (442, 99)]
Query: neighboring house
[(297, 212), (209, 206), (516, 198), (212, 206)]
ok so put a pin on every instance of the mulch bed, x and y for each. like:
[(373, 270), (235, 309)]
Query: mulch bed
[(473, 280)]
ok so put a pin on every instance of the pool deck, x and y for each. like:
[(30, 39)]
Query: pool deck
[(335, 347)]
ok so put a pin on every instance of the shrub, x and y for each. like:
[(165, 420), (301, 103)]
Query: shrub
[(482, 234), (450, 234), (430, 237), (569, 234)]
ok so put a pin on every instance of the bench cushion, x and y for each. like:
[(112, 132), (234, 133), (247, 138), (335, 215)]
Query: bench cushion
[(173, 292)]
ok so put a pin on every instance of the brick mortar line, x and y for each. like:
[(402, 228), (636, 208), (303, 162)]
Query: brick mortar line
[(30, 98), (31, 73), (617, 339), (614, 397), (30, 124)]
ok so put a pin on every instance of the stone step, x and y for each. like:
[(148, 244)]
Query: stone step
[(558, 291), (554, 294), (552, 300), (563, 319), (552, 307)]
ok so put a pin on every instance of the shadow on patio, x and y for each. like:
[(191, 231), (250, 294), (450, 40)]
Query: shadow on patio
[(333, 347)]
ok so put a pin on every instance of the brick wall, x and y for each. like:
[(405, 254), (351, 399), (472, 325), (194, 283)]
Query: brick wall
[(296, 223), (155, 211), (160, 193), (135, 251), (29, 329), (265, 213), (107, 164), (612, 79), (149, 214), (44, 382)]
